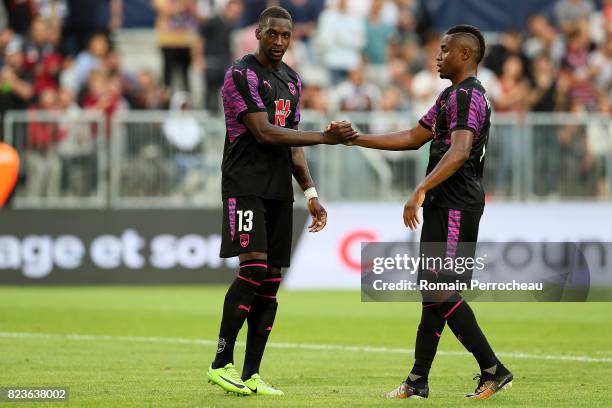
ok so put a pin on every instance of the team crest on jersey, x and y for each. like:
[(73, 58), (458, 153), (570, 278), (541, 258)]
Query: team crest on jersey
[(283, 110), (291, 88), (244, 240)]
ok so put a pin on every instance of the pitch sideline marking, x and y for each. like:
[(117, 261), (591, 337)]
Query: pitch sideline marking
[(301, 346)]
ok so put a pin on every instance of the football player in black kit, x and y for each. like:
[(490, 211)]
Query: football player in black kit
[(452, 198), (262, 152)]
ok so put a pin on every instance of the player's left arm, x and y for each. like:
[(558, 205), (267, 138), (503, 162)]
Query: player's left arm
[(302, 176), (453, 159)]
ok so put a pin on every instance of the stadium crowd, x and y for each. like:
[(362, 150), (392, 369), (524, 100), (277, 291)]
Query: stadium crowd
[(354, 55)]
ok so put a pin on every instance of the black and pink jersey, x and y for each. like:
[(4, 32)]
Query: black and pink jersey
[(249, 167), (464, 106)]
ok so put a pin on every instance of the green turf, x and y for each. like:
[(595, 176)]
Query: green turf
[(122, 373)]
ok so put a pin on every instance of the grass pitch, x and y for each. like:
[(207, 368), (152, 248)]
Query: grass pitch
[(151, 346)]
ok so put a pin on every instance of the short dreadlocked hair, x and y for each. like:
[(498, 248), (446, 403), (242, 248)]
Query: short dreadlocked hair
[(470, 30), (274, 12)]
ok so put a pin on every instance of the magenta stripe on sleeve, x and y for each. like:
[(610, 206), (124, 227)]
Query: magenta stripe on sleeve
[(253, 87)]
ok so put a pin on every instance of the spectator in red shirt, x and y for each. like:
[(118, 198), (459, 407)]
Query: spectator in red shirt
[(43, 165)]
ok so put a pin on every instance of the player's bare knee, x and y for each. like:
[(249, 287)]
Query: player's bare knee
[(249, 256)]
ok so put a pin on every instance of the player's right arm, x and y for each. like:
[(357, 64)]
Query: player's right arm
[(267, 133), (411, 139), (241, 100)]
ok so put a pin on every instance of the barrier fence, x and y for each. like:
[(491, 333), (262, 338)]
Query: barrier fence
[(144, 159)]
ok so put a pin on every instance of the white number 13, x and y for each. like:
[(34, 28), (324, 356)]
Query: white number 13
[(247, 217)]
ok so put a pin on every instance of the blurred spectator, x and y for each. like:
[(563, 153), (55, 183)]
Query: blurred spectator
[(570, 13), (176, 28), (315, 98), (599, 143), (44, 167), (543, 38), (20, 15), (355, 94), (543, 91), (207, 9), (88, 18), (575, 63), (76, 148), (512, 97), (413, 20), (600, 63), (409, 52), (544, 97), (513, 87), (185, 137), (52, 10), (90, 59), (128, 81), (104, 93), (213, 50), (341, 37), (42, 57), (36, 44), (378, 35), (361, 9), (578, 169), (16, 88), (510, 45), (148, 94), (400, 78)]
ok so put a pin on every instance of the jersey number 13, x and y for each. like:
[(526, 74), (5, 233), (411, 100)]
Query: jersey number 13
[(245, 220)]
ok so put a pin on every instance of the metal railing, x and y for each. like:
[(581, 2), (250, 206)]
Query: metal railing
[(166, 159), (143, 159), (63, 158)]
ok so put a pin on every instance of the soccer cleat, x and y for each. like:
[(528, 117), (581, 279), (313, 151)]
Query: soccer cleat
[(489, 385), (408, 391), (228, 378), (260, 387)]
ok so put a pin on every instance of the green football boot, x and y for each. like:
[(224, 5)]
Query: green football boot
[(228, 378), (260, 387)]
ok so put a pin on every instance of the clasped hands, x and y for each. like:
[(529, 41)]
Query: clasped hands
[(340, 132)]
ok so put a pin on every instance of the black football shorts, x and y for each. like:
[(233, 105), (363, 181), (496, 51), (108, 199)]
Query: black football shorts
[(255, 224), (448, 235)]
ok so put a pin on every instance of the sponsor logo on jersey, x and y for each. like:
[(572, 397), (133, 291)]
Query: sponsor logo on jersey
[(283, 110)]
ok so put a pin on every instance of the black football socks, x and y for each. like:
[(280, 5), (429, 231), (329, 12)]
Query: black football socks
[(428, 337), (462, 321), (260, 322), (239, 300)]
